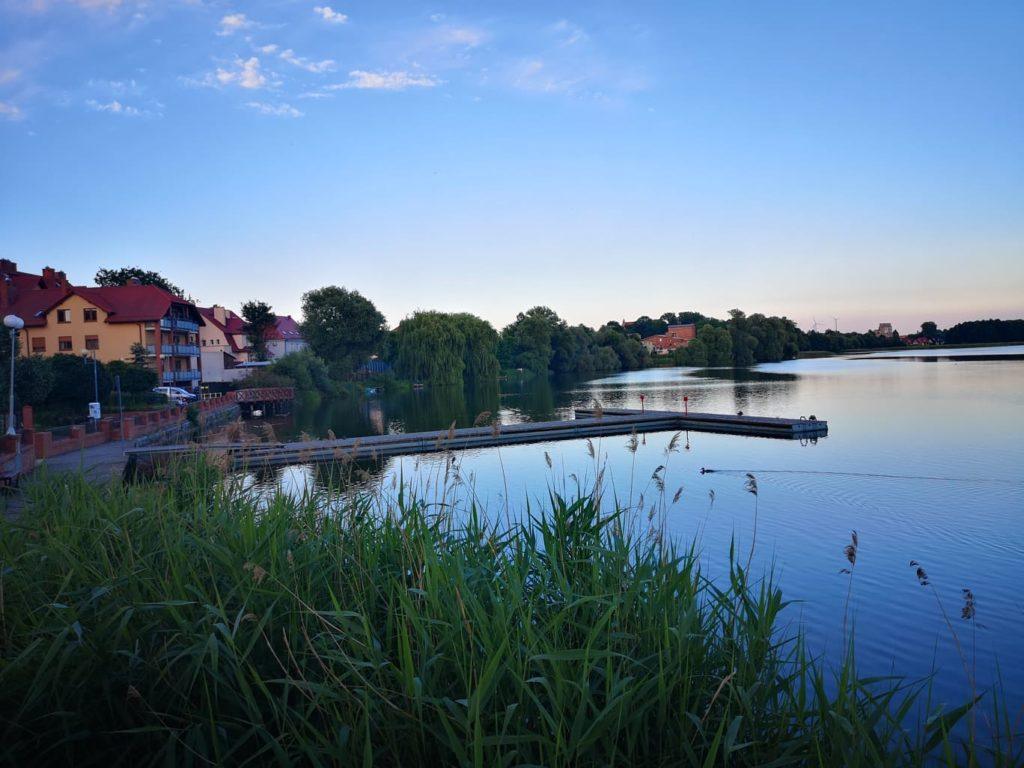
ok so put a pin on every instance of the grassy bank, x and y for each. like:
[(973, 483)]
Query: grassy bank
[(187, 624)]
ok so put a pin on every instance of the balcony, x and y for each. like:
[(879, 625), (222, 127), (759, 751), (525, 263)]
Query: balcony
[(178, 324), (182, 350), (169, 377)]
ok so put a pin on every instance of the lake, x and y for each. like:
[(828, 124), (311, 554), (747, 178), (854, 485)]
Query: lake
[(923, 459)]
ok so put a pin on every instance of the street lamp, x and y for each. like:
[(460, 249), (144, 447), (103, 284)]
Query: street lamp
[(15, 324)]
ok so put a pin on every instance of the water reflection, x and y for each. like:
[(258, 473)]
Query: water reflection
[(922, 460)]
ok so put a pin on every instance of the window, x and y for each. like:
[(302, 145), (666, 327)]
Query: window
[(63, 315), (89, 314), (92, 342), (64, 344), (204, 342), (38, 345)]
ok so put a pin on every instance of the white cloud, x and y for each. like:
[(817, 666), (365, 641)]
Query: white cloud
[(327, 65), (268, 48), (436, 17), (385, 81), (233, 22), (274, 110), (9, 75), (245, 74), (115, 107), (10, 111), (330, 15)]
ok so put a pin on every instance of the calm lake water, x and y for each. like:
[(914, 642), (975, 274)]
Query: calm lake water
[(923, 459)]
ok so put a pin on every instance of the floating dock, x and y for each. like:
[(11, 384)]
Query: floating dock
[(588, 423)]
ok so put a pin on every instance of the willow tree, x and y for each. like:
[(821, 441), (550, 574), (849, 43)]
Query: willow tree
[(443, 348)]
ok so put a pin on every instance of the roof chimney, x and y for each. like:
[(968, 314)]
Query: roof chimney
[(219, 314), (49, 276), (7, 266)]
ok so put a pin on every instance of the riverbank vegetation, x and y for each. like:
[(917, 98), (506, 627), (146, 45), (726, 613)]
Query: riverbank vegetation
[(195, 624)]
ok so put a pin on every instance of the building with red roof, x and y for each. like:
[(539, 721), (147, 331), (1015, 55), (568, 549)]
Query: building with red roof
[(675, 337), (225, 344), (112, 323)]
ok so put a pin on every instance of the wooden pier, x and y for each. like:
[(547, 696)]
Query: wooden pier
[(588, 423)]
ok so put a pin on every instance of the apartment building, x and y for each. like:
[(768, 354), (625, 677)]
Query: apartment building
[(112, 323)]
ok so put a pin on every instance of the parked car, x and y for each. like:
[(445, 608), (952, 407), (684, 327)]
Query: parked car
[(176, 394)]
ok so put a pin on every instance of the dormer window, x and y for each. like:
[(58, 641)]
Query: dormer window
[(63, 315)]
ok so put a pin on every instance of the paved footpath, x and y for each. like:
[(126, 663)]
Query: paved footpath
[(99, 464)]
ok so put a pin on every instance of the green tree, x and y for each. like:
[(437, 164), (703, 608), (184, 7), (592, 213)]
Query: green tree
[(135, 379), (717, 344), (342, 327), (140, 354), (429, 347), (443, 348), (527, 342), (33, 380), (929, 330), (259, 318), (480, 354), (743, 341), (115, 277), (73, 380)]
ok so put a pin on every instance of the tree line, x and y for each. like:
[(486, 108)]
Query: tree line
[(344, 330)]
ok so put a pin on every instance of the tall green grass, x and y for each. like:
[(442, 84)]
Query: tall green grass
[(188, 623)]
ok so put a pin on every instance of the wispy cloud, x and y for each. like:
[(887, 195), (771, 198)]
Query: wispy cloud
[(568, 33), (330, 15), (271, 48), (327, 65), (274, 110), (9, 75), (385, 81), (233, 22), (536, 75), (470, 37), (10, 111), (115, 107)]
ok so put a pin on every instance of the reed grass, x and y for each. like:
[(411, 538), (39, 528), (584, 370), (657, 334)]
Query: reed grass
[(191, 623)]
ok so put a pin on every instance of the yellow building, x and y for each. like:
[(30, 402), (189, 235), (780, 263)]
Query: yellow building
[(110, 323)]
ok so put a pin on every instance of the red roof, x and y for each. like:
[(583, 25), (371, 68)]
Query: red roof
[(131, 303), (675, 337), (32, 305), (232, 325), (285, 329)]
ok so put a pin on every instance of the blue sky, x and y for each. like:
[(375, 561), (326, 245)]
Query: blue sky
[(855, 160)]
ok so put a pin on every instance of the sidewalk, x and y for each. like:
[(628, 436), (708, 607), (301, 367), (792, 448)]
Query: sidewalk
[(99, 463)]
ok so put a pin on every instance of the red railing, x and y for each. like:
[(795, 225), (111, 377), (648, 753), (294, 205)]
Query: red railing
[(264, 394)]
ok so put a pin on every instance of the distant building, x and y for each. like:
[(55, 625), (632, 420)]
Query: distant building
[(884, 329), (106, 321), (225, 344), (675, 337)]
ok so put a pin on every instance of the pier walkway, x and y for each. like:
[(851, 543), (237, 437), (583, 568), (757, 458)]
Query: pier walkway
[(588, 423)]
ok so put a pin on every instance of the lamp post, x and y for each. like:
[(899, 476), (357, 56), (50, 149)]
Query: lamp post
[(14, 324)]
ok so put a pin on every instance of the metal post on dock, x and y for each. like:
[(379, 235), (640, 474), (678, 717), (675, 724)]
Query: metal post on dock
[(686, 405)]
